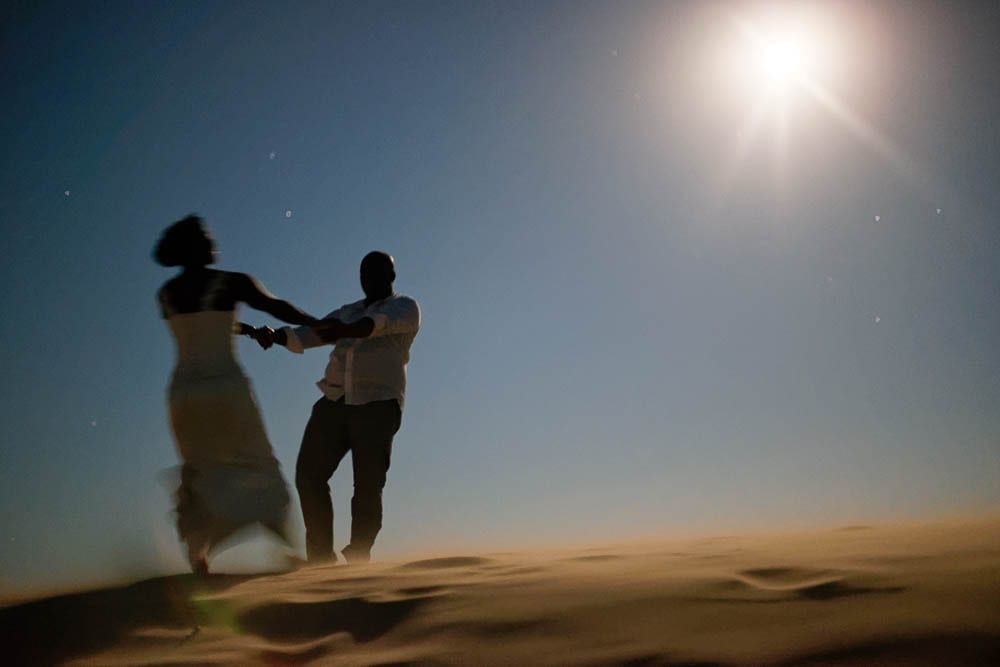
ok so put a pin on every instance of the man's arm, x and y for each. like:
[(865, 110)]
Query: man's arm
[(332, 329), (293, 339), (401, 316)]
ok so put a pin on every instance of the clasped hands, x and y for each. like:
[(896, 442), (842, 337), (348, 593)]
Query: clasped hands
[(263, 335)]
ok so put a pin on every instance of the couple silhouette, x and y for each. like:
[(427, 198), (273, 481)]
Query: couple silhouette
[(230, 477)]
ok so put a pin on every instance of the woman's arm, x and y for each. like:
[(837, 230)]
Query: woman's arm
[(252, 293)]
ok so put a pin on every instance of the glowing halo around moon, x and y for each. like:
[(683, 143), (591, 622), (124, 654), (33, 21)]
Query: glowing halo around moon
[(777, 63), (770, 67)]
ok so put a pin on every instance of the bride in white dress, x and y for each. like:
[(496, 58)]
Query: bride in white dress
[(229, 477)]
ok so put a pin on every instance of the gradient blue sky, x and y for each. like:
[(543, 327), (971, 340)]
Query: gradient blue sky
[(642, 315)]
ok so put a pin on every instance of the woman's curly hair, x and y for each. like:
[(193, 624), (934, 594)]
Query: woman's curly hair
[(184, 243)]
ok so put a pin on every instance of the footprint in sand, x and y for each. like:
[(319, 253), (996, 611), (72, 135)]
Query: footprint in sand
[(787, 577), (421, 590), (781, 584), (525, 569), (596, 558), (445, 563)]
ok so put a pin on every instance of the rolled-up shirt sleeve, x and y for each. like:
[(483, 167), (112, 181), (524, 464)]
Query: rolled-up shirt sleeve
[(300, 339), (400, 316)]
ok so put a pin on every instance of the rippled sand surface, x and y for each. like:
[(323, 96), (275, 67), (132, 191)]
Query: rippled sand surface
[(924, 594)]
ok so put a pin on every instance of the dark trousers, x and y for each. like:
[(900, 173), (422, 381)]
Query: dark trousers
[(334, 429)]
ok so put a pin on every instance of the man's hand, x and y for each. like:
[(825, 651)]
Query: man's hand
[(264, 336)]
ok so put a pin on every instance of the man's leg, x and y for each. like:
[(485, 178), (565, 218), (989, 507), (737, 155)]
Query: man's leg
[(324, 444), (372, 427)]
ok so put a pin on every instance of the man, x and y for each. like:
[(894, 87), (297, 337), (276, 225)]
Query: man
[(361, 406)]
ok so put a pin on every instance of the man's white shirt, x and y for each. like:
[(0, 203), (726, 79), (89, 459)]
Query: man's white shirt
[(362, 370)]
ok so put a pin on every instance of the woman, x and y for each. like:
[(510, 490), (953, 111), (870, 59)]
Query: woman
[(229, 478)]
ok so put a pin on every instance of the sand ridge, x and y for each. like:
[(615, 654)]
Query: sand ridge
[(917, 594)]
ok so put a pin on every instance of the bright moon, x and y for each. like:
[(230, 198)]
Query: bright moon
[(780, 52), (780, 60)]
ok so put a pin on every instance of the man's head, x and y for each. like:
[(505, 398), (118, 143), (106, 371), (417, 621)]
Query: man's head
[(377, 273)]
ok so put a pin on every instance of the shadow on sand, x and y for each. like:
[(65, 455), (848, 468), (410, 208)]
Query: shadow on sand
[(56, 629)]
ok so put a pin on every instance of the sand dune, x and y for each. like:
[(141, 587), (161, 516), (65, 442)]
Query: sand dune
[(889, 595)]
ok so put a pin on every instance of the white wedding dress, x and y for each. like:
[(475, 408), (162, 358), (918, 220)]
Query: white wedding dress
[(230, 477)]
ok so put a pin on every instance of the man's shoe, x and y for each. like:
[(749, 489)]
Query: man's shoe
[(353, 554)]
